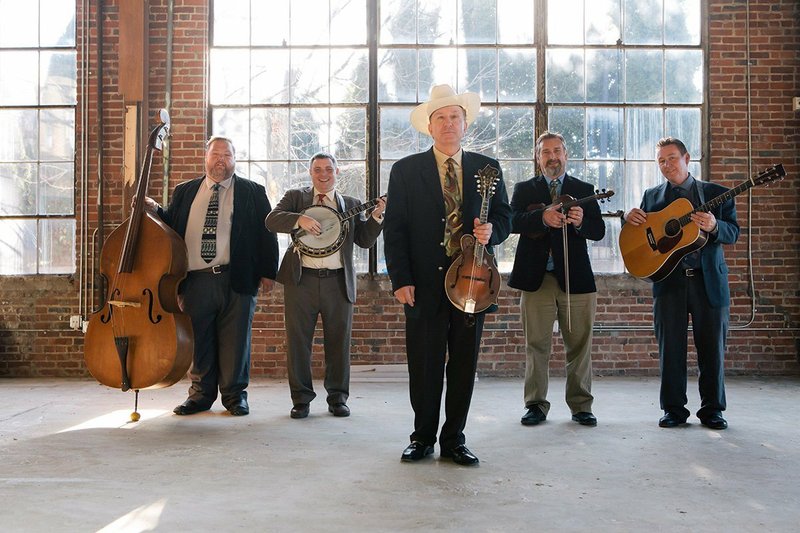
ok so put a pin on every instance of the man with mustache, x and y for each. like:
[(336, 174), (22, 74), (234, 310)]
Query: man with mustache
[(540, 273)]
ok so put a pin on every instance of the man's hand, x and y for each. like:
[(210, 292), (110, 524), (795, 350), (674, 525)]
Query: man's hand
[(635, 216), (482, 232), (377, 213), (705, 221), (267, 284), (405, 295), (149, 204), (575, 216), (554, 218), (309, 225)]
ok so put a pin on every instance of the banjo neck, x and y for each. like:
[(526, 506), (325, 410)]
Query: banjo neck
[(353, 211)]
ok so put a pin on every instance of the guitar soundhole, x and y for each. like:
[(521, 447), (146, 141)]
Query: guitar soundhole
[(672, 228)]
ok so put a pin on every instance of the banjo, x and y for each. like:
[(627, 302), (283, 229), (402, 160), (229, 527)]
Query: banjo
[(334, 229)]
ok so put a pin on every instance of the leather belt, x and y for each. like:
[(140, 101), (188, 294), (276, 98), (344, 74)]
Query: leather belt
[(217, 269), (322, 272), (692, 272)]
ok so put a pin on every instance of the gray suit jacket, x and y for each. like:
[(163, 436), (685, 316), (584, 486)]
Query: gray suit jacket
[(363, 231)]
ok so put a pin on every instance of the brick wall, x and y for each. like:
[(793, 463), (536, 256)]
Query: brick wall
[(35, 339)]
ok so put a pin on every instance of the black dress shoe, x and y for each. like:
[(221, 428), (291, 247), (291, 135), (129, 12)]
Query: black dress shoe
[(190, 407), (339, 409), (416, 451), (715, 421), (534, 416), (671, 420), (461, 455), (300, 410), (585, 419), (240, 409)]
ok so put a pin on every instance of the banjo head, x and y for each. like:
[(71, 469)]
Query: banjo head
[(329, 240)]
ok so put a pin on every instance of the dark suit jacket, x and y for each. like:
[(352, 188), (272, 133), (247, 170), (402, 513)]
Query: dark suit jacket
[(712, 260), (363, 231), (415, 223), (254, 250), (530, 260)]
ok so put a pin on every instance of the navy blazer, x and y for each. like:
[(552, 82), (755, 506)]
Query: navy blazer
[(712, 260), (254, 250), (530, 260), (415, 221), (363, 230)]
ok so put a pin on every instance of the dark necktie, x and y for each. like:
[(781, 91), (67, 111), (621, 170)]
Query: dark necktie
[(208, 242), (452, 204), (553, 190), (320, 199)]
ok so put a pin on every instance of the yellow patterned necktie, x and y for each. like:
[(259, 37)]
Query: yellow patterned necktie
[(452, 204)]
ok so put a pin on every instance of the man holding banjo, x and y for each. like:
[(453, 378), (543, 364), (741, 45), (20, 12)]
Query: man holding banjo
[(319, 279)]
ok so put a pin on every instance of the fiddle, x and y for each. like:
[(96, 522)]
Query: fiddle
[(564, 202)]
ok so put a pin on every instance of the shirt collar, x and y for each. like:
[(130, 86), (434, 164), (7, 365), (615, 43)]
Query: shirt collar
[(441, 158), (224, 184), (330, 195), (686, 185)]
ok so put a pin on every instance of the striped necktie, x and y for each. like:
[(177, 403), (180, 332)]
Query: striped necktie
[(553, 189), (208, 243)]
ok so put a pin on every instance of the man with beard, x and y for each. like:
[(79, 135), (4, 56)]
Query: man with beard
[(540, 272), (231, 253)]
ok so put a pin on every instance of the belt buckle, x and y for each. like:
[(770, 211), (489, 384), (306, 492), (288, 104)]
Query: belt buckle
[(323, 272), (689, 272), (216, 269)]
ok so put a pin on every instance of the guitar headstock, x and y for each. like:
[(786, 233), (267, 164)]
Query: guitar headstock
[(773, 173), (602, 195), (160, 132), (487, 178)]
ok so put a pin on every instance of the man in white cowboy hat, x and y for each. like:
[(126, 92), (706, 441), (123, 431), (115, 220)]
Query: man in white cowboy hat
[(433, 200)]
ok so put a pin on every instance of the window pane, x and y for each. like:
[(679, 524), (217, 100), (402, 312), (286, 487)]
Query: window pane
[(310, 73), (515, 127), (516, 172), (604, 127), (604, 76), (17, 246), (607, 176), (644, 128), (270, 77), (478, 69), (685, 125), (398, 19), (231, 25), (560, 11), (309, 132), (482, 134), (515, 21), (397, 76), (683, 20), (56, 183), (19, 77), (309, 22), (18, 183), (602, 22), (477, 22), (348, 137), (684, 73), (564, 75), (605, 254), (58, 27), (58, 78), (569, 122), (57, 246), (19, 23), (352, 180), (436, 22), (275, 178), (517, 75), (397, 137), (57, 140), (232, 123), (640, 177), (643, 76), (642, 21), (349, 75), (269, 137), (348, 22), (269, 22), (229, 76), (436, 67), (19, 130)]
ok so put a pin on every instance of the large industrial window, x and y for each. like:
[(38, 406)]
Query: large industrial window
[(290, 77), (37, 137)]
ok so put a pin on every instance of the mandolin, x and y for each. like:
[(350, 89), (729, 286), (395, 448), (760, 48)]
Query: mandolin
[(652, 250), (472, 282)]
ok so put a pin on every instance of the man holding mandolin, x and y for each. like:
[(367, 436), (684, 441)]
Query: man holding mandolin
[(435, 200), (554, 273), (697, 286), (318, 277)]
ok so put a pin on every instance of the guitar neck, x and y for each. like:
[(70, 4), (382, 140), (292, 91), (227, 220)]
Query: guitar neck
[(353, 211), (716, 202)]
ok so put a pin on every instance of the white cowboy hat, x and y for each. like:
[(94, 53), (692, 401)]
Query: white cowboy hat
[(443, 96)]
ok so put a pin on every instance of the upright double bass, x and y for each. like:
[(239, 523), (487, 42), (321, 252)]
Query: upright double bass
[(140, 339)]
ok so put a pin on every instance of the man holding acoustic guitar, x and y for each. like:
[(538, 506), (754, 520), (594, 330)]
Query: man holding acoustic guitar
[(439, 200), (318, 278), (554, 273), (697, 285)]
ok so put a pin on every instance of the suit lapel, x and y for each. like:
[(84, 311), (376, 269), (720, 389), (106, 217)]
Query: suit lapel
[(431, 183)]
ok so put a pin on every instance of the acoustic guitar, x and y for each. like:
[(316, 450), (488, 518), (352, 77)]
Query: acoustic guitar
[(652, 250)]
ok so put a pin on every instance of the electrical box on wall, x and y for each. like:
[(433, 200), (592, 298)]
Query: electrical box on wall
[(796, 103)]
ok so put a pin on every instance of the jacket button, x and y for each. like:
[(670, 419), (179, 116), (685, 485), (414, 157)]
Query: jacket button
[(441, 268)]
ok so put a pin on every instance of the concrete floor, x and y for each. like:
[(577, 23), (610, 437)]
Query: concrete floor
[(70, 461)]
